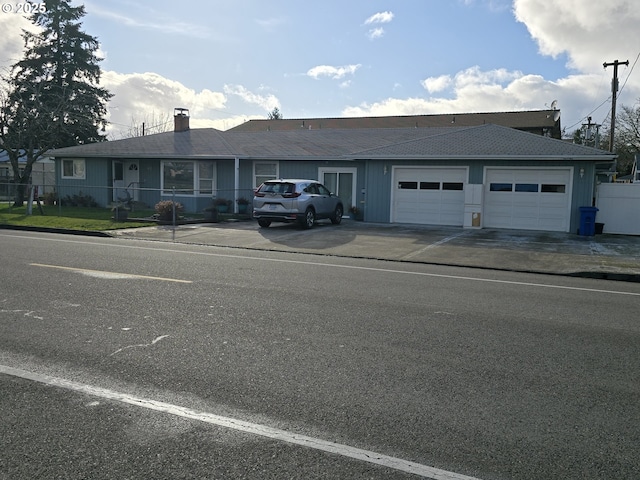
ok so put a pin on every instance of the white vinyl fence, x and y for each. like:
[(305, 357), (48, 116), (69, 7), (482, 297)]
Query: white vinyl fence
[(619, 207)]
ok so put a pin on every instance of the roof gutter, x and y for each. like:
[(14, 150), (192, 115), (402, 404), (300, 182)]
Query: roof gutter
[(564, 158)]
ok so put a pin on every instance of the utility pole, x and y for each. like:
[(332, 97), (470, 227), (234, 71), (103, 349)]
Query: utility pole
[(614, 90)]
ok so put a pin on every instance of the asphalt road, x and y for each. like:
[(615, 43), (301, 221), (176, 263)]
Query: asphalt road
[(132, 359)]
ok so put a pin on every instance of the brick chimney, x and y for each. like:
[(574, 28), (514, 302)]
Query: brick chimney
[(180, 119)]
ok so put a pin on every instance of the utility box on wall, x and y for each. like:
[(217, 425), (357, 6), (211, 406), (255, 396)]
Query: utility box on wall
[(473, 206)]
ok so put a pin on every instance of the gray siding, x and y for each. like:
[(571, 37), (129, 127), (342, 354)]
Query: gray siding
[(583, 191), (377, 191), (97, 174)]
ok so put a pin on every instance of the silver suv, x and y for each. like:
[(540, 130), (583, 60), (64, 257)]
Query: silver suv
[(303, 201)]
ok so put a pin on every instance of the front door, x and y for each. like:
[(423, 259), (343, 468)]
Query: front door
[(126, 180), (342, 182)]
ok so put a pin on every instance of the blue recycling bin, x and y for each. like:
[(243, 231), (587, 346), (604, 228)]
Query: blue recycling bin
[(587, 221)]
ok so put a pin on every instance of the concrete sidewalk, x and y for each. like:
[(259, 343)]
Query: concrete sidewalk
[(614, 257)]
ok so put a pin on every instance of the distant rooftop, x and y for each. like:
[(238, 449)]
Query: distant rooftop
[(540, 122)]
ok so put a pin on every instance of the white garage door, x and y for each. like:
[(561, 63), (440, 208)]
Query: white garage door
[(430, 196), (528, 199)]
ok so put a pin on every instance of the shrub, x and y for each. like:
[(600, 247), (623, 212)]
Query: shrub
[(49, 198), (164, 209), (79, 200)]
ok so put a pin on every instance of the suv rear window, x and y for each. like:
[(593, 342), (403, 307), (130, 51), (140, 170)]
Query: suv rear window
[(278, 188)]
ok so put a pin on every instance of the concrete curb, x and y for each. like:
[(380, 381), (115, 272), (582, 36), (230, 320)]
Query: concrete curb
[(601, 275)]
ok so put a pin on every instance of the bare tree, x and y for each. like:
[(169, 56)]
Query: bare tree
[(149, 125), (627, 141), (26, 131)]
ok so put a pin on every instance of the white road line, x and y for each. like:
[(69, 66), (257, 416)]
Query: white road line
[(240, 425), (109, 275), (334, 265)]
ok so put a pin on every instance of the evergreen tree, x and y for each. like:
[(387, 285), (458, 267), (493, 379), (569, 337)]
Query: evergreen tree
[(275, 114), (53, 99)]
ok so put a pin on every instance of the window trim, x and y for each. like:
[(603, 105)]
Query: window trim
[(78, 165), (254, 176), (195, 191)]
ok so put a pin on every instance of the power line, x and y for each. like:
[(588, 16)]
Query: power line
[(630, 72)]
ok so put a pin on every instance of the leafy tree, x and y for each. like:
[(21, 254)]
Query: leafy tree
[(275, 114), (52, 98)]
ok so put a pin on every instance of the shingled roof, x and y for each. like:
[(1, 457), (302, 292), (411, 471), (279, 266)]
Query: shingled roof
[(483, 141), (541, 122), (207, 142)]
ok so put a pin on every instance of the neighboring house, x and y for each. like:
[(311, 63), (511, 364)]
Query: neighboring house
[(475, 176), (540, 122), (42, 175)]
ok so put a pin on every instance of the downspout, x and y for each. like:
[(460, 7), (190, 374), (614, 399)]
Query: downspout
[(236, 184)]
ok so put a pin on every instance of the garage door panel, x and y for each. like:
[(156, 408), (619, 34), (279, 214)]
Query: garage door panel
[(437, 199), (524, 200), (551, 201), (533, 202)]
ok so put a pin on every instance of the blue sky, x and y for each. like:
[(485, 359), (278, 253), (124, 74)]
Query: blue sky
[(230, 61)]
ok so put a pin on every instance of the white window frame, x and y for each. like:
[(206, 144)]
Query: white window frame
[(79, 168), (196, 179), (213, 178), (276, 176)]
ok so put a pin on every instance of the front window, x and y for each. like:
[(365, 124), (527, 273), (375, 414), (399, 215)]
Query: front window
[(263, 172), (178, 176), (206, 178), (188, 178), (73, 169)]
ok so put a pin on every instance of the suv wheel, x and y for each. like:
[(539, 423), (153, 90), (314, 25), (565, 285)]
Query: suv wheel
[(309, 218), (336, 218), (264, 223)]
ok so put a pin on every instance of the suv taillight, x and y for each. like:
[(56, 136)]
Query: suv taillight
[(291, 195), (259, 194)]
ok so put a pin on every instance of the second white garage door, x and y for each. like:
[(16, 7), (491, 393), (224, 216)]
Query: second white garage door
[(430, 196), (528, 199)]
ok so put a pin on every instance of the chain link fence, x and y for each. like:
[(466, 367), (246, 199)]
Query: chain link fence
[(133, 197)]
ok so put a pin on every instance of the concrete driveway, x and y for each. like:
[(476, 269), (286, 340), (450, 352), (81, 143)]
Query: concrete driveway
[(602, 256)]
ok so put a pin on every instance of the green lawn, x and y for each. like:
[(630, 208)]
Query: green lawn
[(72, 218)]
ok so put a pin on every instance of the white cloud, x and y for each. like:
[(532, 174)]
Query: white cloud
[(375, 33), (141, 95), (475, 90), (437, 84), (336, 73), (11, 43), (268, 102), (380, 17), (588, 34)]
